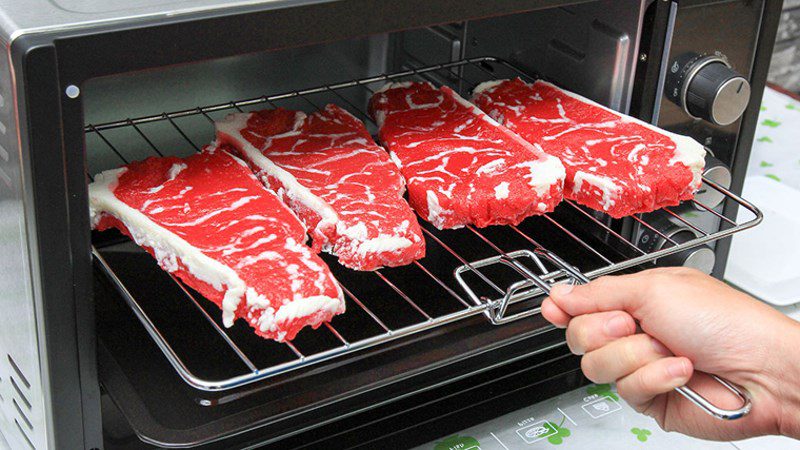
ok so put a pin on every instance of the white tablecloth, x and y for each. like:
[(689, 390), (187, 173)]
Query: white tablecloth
[(765, 261)]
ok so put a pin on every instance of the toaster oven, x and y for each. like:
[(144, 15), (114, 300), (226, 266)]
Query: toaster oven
[(101, 349)]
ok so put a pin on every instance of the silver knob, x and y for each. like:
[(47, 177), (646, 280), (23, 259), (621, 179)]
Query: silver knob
[(707, 87), (701, 258), (717, 172), (670, 234), (715, 92)]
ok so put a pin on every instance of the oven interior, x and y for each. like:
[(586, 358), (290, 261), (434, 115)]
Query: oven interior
[(172, 375)]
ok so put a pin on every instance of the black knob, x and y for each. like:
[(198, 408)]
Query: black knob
[(706, 87)]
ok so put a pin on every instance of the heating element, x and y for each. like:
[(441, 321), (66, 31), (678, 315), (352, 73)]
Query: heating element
[(497, 271)]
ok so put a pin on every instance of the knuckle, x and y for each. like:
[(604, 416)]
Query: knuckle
[(640, 408), (686, 271), (631, 387), (577, 335), (660, 281), (669, 273), (581, 339), (629, 354), (649, 408), (589, 368), (660, 273), (603, 283), (640, 381), (665, 278), (623, 389), (650, 272), (571, 330), (666, 270)]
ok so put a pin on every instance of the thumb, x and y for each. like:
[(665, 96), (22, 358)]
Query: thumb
[(609, 293)]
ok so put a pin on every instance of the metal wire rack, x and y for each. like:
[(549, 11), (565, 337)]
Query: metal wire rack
[(462, 276)]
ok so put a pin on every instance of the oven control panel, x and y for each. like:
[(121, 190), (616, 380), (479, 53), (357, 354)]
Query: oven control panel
[(667, 233), (681, 224), (707, 72)]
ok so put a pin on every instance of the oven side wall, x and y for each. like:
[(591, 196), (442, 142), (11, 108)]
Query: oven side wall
[(22, 395), (50, 331)]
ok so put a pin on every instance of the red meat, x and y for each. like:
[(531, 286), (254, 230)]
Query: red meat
[(327, 168), (210, 222), (615, 163), (461, 166)]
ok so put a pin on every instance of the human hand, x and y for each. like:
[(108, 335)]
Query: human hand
[(688, 323)]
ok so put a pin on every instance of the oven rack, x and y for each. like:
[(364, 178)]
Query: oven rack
[(575, 224)]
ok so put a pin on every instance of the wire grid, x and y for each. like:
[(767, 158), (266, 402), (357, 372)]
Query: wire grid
[(461, 75)]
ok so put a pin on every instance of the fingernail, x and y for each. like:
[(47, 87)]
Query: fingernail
[(617, 326), (660, 348), (561, 289), (678, 369)]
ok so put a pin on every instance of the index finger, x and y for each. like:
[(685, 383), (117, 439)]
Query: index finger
[(609, 293)]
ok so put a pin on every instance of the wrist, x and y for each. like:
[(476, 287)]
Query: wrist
[(789, 383)]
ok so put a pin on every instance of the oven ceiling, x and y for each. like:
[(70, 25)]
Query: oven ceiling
[(36, 16), (39, 16)]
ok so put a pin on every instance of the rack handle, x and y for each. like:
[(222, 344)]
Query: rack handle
[(690, 394), (497, 309), (498, 316), (714, 410)]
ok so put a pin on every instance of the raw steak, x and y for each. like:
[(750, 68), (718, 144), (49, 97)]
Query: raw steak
[(209, 221), (327, 168), (615, 163), (461, 166)]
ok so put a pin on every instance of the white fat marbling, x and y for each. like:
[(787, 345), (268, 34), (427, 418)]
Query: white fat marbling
[(175, 170), (606, 185), (487, 86), (293, 188), (501, 191), (544, 172), (231, 127), (434, 210)]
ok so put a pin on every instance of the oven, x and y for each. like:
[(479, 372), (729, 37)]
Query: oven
[(99, 348)]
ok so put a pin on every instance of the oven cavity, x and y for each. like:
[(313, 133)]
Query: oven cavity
[(387, 304)]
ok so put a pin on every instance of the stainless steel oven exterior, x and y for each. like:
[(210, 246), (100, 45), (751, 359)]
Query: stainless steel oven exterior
[(50, 395)]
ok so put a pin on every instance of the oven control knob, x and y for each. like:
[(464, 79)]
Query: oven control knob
[(701, 258), (706, 87), (717, 172)]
